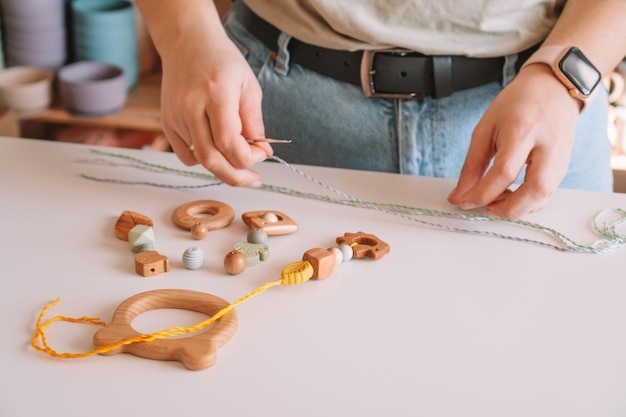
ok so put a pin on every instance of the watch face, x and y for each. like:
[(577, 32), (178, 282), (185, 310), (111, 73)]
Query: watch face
[(580, 71)]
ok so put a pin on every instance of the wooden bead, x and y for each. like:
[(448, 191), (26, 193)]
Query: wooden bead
[(199, 231), (273, 222), (269, 217), (128, 220), (338, 254), (364, 244), (323, 262), (148, 264), (234, 262)]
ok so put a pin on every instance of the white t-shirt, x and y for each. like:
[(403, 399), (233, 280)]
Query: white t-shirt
[(480, 28)]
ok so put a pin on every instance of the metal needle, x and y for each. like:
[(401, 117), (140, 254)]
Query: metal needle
[(269, 140)]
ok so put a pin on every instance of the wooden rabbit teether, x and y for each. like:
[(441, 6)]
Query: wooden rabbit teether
[(197, 351)]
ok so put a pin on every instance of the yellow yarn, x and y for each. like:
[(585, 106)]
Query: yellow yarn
[(293, 274)]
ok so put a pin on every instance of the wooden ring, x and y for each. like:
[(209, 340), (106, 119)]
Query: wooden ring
[(221, 215), (196, 352)]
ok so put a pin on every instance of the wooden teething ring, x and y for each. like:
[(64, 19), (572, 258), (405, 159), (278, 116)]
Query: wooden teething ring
[(196, 352), (220, 215)]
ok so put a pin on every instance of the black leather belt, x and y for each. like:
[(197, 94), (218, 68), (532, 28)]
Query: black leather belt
[(391, 73)]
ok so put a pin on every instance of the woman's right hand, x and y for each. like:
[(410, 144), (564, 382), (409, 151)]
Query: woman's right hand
[(210, 98)]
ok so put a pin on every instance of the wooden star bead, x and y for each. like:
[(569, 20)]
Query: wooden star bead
[(322, 260)]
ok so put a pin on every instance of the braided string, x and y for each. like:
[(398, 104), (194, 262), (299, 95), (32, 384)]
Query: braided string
[(611, 241)]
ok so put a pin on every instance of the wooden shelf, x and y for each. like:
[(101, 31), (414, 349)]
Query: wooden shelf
[(141, 112)]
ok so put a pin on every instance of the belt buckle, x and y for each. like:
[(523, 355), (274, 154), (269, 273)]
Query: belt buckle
[(368, 72)]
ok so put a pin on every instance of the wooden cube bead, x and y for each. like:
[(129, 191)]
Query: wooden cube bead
[(148, 264), (322, 260)]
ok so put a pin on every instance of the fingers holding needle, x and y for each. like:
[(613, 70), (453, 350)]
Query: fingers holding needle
[(268, 140)]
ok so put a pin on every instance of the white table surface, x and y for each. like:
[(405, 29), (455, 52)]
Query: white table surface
[(447, 324)]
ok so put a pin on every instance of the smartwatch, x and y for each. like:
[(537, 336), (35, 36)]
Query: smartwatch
[(572, 68)]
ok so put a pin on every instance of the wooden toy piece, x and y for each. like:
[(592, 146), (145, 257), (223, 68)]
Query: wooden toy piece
[(128, 220), (364, 244), (254, 252), (151, 263), (273, 222), (338, 254), (218, 215), (234, 262), (141, 238), (323, 262), (196, 352)]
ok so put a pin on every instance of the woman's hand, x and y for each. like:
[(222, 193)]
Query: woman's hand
[(531, 123)]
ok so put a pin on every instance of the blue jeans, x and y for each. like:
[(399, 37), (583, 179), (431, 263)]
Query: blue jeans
[(333, 124)]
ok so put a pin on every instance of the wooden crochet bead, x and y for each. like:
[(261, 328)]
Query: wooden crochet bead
[(234, 262), (364, 244), (323, 262), (218, 215), (273, 222), (128, 220), (148, 264), (196, 352), (141, 238)]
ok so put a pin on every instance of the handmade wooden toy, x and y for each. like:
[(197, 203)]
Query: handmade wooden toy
[(196, 352), (217, 215), (273, 222), (364, 244)]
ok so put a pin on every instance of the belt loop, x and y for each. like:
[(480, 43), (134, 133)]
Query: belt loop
[(283, 57), (509, 69), (442, 72)]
